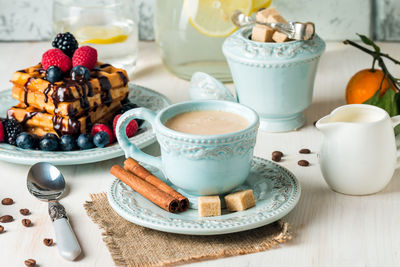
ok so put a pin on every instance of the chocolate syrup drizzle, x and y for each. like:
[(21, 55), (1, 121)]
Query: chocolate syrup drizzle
[(123, 77), (46, 92), (30, 115), (26, 90), (105, 87), (57, 124)]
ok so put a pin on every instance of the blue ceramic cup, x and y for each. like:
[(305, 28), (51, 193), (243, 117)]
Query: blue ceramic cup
[(197, 164)]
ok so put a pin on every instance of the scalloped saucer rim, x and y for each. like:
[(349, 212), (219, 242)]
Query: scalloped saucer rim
[(275, 183), (145, 96)]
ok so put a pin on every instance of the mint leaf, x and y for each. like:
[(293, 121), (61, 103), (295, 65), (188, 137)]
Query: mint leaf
[(387, 102), (368, 41)]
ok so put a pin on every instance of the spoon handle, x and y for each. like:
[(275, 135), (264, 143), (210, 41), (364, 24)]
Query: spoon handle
[(67, 243)]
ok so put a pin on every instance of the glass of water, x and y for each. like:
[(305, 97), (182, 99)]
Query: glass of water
[(110, 26)]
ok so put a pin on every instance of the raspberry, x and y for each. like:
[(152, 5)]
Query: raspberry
[(102, 128), (56, 57), (1, 132), (85, 56), (66, 42), (131, 129)]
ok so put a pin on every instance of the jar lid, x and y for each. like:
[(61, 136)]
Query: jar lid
[(239, 46)]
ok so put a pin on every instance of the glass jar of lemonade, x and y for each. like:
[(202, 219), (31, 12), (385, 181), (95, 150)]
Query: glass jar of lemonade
[(110, 26), (190, 33)]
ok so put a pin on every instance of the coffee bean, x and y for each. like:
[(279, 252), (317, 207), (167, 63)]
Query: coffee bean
[(48, 242), (26, 222), (6, 219), (1, 229), (276, 158), (277, 153), (30, 262), (24, 211), (305, 151), (303, 163), (7, 201)]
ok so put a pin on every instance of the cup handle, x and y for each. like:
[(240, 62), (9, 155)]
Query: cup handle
[(395, 122), (130, 149)]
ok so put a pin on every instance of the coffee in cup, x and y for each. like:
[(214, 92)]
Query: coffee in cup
[(207, 122)]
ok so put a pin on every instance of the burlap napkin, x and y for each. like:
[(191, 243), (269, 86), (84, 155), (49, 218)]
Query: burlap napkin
[(133, 245)]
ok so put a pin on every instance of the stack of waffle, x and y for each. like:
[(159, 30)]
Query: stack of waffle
[(68, 106)]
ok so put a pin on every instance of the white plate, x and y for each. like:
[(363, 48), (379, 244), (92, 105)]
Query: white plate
[(276, 191), (141, 96)]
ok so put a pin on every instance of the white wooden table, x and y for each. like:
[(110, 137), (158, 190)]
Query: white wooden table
[(330, 229)]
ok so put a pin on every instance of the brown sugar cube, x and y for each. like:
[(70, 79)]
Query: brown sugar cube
[(209, 206), (262, 33), (279, 37), (240, 200), (276, 18), (263, 15)]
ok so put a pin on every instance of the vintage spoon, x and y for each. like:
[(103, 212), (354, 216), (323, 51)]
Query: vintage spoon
[(294, 30), (46, 182)]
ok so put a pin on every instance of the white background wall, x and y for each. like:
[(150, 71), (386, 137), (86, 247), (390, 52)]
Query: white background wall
[(334, 19)]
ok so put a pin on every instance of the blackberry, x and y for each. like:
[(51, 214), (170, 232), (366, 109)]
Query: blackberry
[(66, 42), (128, 105), (12, 128), (125, 100)]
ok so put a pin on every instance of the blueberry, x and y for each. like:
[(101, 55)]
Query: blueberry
[(67, 142), (48, 144), (85, 141), (51, 136), (101, 139), (26, 141), (54, 74), (79, 73)]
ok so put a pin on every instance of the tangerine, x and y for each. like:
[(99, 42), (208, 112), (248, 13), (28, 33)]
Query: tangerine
[(364, 84)]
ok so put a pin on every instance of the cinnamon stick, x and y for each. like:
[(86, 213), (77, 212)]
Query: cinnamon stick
[(140, 171), (149, 191)]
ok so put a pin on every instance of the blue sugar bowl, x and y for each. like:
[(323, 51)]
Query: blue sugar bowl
[(275, 79)]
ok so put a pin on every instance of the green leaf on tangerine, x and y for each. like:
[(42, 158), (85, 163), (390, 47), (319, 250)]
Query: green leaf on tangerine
[(387, 102), (368, 41)]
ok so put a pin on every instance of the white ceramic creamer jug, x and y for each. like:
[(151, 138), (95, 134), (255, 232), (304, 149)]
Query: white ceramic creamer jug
[(358, 154)]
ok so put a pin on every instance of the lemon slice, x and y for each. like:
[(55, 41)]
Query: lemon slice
[(110, 34), (257, 4), (213, 17)]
